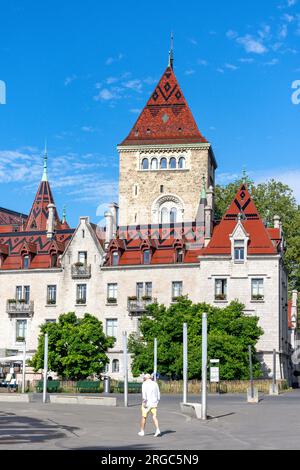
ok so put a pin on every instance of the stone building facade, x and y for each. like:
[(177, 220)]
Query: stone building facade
[(159, 243)]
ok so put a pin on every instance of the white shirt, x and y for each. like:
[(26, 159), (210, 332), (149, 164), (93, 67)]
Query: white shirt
[(151, 394)]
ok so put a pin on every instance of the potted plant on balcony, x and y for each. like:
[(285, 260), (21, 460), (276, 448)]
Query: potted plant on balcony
[(175, 299), (132, 297), (79, 264), (147, 297), (111, 300), (12, 301), (81, 301), (51, 302), (20, 339), (220, 297), (257, 297), (22, 301)]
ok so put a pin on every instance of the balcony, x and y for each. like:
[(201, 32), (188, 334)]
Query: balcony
[(137, 306), (81, 271), (16, 308)]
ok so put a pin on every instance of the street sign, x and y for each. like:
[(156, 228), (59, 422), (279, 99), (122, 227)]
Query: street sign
[(214, 375)]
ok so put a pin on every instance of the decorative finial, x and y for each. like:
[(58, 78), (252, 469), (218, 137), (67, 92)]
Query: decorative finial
[(203, 191), (244, 177), (45, 176), (64, 215), (171, 56)]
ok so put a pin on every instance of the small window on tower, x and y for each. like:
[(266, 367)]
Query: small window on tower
[(148, 131), (161, 188), (163, 163), (145, 164), (173, 163)]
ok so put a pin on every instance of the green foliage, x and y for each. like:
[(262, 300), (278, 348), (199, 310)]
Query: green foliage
[(76, 347), (230, 333), (271, 198)]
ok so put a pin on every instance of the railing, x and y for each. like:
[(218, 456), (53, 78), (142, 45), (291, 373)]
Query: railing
[(16, 307), (81, 271), (138, 306)]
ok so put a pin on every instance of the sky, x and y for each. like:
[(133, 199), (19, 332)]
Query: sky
[(77, 74)]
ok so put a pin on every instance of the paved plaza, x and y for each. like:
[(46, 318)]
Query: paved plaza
[(272, 424)]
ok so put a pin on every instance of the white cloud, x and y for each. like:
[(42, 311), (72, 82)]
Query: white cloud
[(272, 62), (289, 177), (70, 79), (111, 60), (189, 72), (135, 85), (252, 45), (193, 41), (135, 110), (87, 129), (231, 67), (107, 95), (202, 62), (231, 34), (246, 60)]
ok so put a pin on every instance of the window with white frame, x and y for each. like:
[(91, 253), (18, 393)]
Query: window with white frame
[(176, 289), (51, 295), (143, 290), (21, 330), (239, 251), (112, 293), (220, 289), (81, 294), (111, 327), (115, 258), (257, 289), (146, 257), (82, 257), (26, 262), (23, 294), (115, 365)]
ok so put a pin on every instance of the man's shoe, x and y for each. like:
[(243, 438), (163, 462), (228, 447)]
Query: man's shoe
[(141, 433), (157, 433)]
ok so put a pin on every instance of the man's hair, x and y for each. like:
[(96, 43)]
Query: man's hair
[(147, 376)]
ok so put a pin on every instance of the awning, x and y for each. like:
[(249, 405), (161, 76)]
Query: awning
[(14, 358)]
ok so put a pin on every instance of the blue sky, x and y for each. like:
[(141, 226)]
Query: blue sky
[(78, 73)]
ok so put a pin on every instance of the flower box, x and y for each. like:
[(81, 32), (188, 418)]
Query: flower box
[(20, 339), (111, 300), (220, 297), (133, 297), (81, 301), (258, 297)]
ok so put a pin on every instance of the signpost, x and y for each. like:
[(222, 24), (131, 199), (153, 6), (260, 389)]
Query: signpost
[(204, 367), (24, 367), (45, 367), (215, 372), (155, 359), (125, 369), (185, 364)]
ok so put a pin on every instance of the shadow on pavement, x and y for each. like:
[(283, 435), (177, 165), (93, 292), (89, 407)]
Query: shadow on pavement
[(23, 429)]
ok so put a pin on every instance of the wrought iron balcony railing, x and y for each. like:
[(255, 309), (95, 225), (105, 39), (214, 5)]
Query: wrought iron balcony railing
[(138, 306), (81, 271), (18, 307)]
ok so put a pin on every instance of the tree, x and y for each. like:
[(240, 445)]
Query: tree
[(230, 333), (271, 198), (77, 346)]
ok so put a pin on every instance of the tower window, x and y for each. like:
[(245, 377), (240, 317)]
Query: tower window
[(161, 188), (163, 163), (173, 215), (26, 262), (115, 258), (146, 257), (179, 256), (145, 164), (173, 163), (154, 164), (181, 163)]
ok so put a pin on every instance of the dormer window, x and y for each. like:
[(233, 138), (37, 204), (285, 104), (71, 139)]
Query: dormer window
[(239, 251), (54, 258), (26, 262), (115, 258), (179, 256), (146, 256)]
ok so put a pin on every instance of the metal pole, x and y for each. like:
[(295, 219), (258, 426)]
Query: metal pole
[(185, 364), (24, 367), (45, 367), (155, 359), (125, 369), (204, 367), (251, 372), (274, 370)]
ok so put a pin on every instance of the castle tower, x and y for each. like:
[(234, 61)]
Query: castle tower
[(163, 160)]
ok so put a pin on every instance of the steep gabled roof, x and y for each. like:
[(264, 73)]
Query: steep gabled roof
[(259, 238), (38, 216), (166, 118)]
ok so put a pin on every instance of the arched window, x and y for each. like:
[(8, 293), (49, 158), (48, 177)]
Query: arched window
[(154, 164), (164, 215), (163, 163), (173, 215), (115, 365), (172, 163), (145, 164), (115, 258), (181, 163), (146, 256)]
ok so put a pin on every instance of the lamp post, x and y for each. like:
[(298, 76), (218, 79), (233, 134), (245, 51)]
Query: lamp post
[(125, 369), (204, 367), (24, 367), (185, 363), (45, 367)]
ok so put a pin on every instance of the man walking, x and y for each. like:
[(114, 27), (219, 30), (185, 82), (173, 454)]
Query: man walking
[(151, 397)]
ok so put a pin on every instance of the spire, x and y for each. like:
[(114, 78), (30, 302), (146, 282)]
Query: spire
[(171, 56), (64, 215), (45, 176)]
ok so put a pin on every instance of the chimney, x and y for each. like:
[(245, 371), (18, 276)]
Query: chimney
[(50, 220), (209, 209), (108, 228), (114, 209), (294, 313), (277, 221)]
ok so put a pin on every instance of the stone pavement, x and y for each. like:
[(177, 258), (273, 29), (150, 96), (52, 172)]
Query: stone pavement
[(272, 424)]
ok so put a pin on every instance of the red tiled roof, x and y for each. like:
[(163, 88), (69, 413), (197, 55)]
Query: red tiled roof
[(37, 219), (259, 237), (9, 218), (166, 118)]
